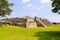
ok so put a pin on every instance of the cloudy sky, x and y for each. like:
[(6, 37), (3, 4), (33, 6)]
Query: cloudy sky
[(39, 8)]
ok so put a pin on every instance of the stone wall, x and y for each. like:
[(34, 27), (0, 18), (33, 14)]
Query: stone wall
[(31, 23), (27, 22)]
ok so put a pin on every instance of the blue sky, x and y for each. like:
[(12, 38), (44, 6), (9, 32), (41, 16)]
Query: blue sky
[(39, 8)]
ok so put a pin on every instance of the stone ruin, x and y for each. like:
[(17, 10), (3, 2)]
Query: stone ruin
[(27, 22), (43, 22)]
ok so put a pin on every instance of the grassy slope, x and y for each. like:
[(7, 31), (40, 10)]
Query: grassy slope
[(18, 33)]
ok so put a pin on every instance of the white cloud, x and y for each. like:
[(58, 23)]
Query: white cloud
[(25, 1), (37, 8), (34, 14), (44, 1), (33, 7), (54, 18), (29, 5)]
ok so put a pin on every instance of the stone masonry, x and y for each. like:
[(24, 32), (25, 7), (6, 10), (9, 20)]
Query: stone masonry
[(27, 22)]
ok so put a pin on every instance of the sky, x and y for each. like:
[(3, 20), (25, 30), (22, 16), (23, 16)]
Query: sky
[(39, 8)]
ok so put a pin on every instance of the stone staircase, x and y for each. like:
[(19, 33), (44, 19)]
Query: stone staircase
[(44, 22)]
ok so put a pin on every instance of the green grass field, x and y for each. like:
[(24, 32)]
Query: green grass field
[(19, 33)]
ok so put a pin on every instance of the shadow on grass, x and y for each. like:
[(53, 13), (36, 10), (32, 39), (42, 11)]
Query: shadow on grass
[(51, 35)]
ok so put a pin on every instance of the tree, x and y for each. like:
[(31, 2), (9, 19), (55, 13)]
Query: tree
[(5, 8), (56, 6)]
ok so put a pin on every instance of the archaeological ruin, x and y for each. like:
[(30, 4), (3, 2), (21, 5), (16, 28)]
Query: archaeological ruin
[(27, 22)]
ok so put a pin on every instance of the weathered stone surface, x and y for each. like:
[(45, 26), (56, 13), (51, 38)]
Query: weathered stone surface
[(27, 22), (31, 23), (43, 22)]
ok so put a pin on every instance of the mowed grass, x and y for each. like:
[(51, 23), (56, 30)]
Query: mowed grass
[(19, 33)]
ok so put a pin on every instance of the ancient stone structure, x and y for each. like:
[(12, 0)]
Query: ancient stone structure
[(43, 22), (27, 22), (31, 23), (14, 21)]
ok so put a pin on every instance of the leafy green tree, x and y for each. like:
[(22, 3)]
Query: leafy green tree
[(5, 8), (56, 6)]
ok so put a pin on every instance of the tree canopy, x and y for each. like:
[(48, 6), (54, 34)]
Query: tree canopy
[(56, 6), (5, 8)]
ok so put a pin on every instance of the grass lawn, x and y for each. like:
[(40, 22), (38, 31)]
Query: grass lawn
[(19, 33)]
